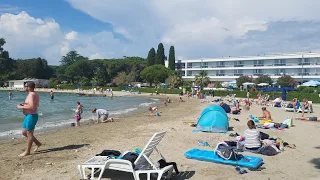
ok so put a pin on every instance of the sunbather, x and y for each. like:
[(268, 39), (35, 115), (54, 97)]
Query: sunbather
[(313, 118), (266, 114)]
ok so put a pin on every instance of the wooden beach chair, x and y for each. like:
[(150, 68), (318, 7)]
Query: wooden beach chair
[(142, 165)]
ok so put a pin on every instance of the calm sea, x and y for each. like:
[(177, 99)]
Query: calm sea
[(60, 111)]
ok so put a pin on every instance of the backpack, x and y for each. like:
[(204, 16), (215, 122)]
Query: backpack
[(226, 152), (131, 156)]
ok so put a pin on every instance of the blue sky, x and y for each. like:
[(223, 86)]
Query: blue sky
[(197, 28)]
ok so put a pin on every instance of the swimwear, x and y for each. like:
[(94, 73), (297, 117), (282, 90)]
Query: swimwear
[(313, 118), (30, 122), (52, 97)]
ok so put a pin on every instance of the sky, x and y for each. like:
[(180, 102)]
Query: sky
[(197, 28)]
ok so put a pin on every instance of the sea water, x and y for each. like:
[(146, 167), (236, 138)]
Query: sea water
[(60, 111)]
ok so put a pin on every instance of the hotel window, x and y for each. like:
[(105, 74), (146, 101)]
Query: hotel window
[(238, 72), (238, 64), (189, 73), (189, 65), (257, 72), (220, 64), (220, 73), (204, 65), (258, 62)]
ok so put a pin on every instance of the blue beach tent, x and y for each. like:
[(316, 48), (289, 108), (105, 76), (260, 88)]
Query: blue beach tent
[(213, 119)]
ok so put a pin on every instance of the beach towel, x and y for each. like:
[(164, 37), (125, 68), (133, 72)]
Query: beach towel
[(210, 156)]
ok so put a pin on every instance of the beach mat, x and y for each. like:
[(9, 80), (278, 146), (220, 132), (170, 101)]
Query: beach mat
[(210, 156)]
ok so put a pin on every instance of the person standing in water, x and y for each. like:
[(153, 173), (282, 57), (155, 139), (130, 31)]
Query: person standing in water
[(30, 110), (10, 95), (79, 111), (52, 94)]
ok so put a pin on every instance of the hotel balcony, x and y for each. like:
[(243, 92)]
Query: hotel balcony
[(256, 66)]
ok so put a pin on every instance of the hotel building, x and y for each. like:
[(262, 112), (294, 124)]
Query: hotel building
[(302, 67)]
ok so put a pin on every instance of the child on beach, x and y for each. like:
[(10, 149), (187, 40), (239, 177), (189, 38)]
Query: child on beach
[(79, 111), (153, 109)]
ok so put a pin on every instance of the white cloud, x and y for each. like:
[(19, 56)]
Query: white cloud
[(71, 35), (201, 23), (29, 37), (197, 28)]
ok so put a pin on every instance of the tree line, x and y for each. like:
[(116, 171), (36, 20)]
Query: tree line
[(77, 69)]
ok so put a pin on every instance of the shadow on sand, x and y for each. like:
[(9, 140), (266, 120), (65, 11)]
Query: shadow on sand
[(118, 175), (68, 147), (316, 162)]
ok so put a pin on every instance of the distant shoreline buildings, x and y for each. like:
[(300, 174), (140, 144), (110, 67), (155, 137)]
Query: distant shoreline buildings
[(301, 66)]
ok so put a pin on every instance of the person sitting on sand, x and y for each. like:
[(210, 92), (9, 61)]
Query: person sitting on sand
[(102, 114), (266, 114), (236, 109), (180, 99), (252, 137), (153, 109)]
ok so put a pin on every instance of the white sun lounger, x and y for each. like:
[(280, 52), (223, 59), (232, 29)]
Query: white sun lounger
[(143, 164)]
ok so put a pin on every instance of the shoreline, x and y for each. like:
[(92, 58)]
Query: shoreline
[(10, 134)]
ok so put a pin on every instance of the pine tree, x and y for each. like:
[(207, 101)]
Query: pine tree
[(160, 57), (172, 58), (151, 57)]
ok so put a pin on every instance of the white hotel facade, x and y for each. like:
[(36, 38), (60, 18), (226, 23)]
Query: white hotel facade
[(302, 67)]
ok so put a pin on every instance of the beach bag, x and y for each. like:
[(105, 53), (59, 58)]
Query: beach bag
[(130, 156), (226, 152), (109, 153), (288, 122)]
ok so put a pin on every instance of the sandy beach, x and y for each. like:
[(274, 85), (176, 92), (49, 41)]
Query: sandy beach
[(64, 149)]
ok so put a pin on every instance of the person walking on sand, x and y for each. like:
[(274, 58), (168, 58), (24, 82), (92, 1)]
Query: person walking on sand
[(30, 108), (102, 114), (52, 94), (10, 95)]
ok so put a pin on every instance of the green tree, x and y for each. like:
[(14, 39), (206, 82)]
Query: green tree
[(122, 79), (71, 57), (172, 59), (160, 57), (286, 81), (218, 84), (84, 81), (263, 79), (53, 82), (151, 57), (202, 79), (155, 74), (243, 79), (174, 80)]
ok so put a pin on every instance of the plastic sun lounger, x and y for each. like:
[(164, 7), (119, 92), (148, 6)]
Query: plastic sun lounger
[(143, 162), (210, 156)]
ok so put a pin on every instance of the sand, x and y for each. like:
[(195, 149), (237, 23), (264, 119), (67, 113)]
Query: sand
[(63, 150)]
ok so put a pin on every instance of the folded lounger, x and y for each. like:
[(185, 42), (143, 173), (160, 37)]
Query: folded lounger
[(210, 156)]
